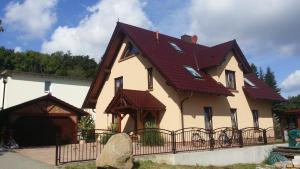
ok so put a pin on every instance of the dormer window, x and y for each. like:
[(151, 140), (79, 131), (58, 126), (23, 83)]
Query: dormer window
[(193, 72), (230, 79), (130, 50), (248, 82), (177, 48)]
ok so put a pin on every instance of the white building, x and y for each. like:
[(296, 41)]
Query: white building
[(24, 86)]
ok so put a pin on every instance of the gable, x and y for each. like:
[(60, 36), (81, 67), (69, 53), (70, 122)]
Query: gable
[(159, 52), (45, 105)]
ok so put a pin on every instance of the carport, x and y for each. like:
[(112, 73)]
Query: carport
[(37, 122)]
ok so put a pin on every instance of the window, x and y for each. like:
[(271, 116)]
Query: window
[(208, 118), (150, 79), (177, 48), (247, 81), (118, 83), (47, 87), (234, 118), (230, 79), (130, 50), (193, 72), (255, 118)]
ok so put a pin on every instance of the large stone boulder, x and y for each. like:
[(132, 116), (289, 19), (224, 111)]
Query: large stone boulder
[(117, 153)]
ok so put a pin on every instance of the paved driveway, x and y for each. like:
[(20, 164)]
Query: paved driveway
[(13, 160), (42, 154)]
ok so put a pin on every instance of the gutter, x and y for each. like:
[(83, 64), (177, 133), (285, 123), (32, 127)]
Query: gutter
[(181, 112)]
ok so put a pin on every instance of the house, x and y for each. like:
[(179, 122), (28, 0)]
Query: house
[(40, 121), (146, 78), (25, 86)]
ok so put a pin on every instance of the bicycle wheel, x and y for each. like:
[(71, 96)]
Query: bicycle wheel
[(197, 140), (224, 141)]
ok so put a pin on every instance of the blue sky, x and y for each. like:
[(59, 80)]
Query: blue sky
[(268, 36)]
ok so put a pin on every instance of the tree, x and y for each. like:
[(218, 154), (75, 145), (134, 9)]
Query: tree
[(261, 75), (1, 27), (254, 69), (270, 80), (58, 63)]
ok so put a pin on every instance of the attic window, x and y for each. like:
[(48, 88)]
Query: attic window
[(177, 48), (130, 50), (249, 82), (193, 72)]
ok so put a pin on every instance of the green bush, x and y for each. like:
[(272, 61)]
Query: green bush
[(151, 136), (106, 136), (87, 128)]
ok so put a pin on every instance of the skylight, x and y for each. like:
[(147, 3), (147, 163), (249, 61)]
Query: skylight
[(175, 47), (193, 72), (249, 82)]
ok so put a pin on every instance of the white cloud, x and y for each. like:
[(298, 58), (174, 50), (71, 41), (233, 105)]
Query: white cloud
[(32, 17), (291, 85), (260, 26), (18, 49), (91, 35)]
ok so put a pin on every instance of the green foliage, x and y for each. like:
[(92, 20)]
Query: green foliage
[(151, 136), (58, 63), (87, 128), (106, 136), (254, 69), (292, 103), (270, 80), (261, 75)]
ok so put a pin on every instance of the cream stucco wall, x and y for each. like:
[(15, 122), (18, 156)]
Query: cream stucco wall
[(194, 107), (134, 72)]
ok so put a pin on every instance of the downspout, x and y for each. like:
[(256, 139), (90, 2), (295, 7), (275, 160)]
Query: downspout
[(181, 111)]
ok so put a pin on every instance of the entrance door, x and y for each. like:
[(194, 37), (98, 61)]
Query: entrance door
[(150, 121)]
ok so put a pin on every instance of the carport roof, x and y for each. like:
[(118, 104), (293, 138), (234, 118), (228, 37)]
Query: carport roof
[(47, 98)]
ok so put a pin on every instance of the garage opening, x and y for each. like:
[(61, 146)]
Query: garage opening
[(40, 121)]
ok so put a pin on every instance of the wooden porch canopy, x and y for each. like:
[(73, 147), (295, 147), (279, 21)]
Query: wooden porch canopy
[(127, 100)]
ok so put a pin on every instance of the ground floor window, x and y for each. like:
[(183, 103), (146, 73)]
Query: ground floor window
[(234, 122), (255, 118), (208, 118)]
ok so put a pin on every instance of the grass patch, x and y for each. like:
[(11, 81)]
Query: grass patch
[(151, 165)]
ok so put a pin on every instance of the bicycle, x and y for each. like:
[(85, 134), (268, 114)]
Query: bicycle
[(197, 140), (225, 140)]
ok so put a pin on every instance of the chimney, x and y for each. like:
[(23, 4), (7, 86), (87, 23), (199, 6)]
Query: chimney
[(189, 38), (157, 36)]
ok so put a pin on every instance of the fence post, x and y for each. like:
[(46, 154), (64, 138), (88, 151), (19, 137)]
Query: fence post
[(173, 142), (265, 136), (56, 150), (211, 140), (240, 134)]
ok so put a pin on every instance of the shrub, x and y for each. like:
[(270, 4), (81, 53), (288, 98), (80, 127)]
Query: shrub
[(151, 136), (106, 136), (87, 128)]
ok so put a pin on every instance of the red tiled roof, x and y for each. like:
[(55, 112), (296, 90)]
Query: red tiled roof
[(142, 100), (170, 62), (261, 90), (46, 98)]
